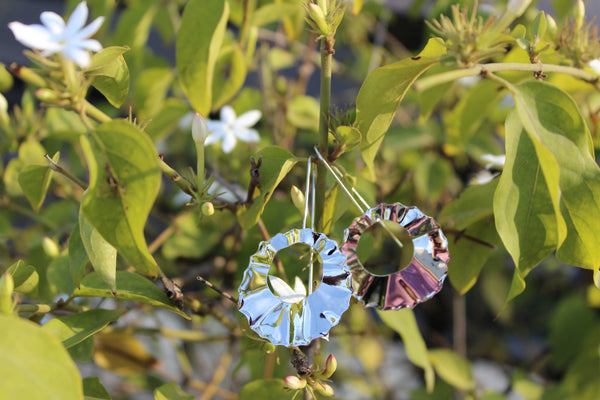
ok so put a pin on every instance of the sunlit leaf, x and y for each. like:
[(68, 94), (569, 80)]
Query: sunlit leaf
[(34, 181), (453, 368), (78, 257), (111, 78), (229, 76), (101, 254), (130, 286), (381, 93), (124, 181), (473, 204), (121, 352), (265, 389), (198, 45), (403, 321), (94, 390), (27, 351), (74, 329), (274, 12), (150, 90), (25, 277), (171, 391), (303, 112)]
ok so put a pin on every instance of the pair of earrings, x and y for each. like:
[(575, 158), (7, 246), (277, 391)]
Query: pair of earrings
[(300, 319)]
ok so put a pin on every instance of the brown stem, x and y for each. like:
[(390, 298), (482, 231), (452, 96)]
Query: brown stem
[(461, 234)]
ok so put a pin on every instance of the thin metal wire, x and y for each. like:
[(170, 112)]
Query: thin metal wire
[(351, 197), (361, 209), (308, 168), (358, 196)]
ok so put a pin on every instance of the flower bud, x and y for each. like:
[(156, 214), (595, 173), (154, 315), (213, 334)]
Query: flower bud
[(551, 27), (597, 279), (297, 198), (323, 389), (199, 129), (7, 286), (46, 95), (207, 208), (330, 367), (292, 382), (50, 247), (578, 13), (318, 16), (517, 7), (324, 6)]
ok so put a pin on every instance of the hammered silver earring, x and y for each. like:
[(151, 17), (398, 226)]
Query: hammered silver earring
[(296, 319), (406, 288)]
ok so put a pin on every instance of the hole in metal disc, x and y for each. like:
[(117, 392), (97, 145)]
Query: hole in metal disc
[(379, 253)]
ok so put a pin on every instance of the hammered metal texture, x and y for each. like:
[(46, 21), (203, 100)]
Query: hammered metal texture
[(295, 324), (416, 283)]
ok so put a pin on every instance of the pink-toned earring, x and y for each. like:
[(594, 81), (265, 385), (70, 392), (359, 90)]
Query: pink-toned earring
[(406, 288)]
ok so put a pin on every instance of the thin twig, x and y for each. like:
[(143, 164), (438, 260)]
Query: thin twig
[(55, 167), (218, 376), (462, 234), (216, 289)]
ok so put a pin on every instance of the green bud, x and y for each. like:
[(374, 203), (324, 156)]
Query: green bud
[(292, 382), (551, 27), (28, 75), (269, 347), (323, 389), (539, 25), (330, 367), (7, 286), (199, 129), (578, 12), (597, 279), (50, 247), (208, 208), (297, 198), (46, 95), (318, 16), (324, 6)]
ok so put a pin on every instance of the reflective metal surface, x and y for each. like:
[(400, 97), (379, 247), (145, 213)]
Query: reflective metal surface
[(295, 324), (416, 283)]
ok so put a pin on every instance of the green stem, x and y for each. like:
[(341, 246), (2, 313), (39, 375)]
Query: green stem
[(248, 8), (326, 60), (482, 69), (34, 308), (56, 167), (95, 113), (200, 165), (183, 184)]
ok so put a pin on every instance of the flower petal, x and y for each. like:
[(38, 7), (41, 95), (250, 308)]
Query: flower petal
[(595, 65), (299, 287), (79, 56), (213, 138), (90, 44), (53, 22), (77, 18), (247, 135), (33, 36), (227, 115), (248, 119), (91, 29), (284, 291), (228, 143)]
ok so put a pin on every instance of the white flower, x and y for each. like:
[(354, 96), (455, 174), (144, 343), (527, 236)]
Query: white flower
[(285, 292), (231, 128), (482, 177), (493, 161), (595, 65), (71, 39)]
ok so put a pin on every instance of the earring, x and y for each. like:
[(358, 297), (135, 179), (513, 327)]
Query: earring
[(297, 319), (418, 282), (428, 268)]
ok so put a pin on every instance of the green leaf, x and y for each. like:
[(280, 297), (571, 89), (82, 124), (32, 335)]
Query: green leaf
[(124, 181), (78, 257), (59, 277), (431, 174), (151, 88), (25, 277), (64, 125), (274, 12), (525, 204), (276, 163), (74, 329), (452, 368), (553, 117), (381, 93), (94, 390), (403, 321), (198, 46), (112, 79), (131, 286), (229, 76), (171, 391), (35, 365), (265, 389), (101, 254), (134, 25), (303, 112), (35, 181), (468, 257), (473, 204), (82, 352), (105, 57)]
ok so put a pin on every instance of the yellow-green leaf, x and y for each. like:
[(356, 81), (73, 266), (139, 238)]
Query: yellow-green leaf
[(452, 368)]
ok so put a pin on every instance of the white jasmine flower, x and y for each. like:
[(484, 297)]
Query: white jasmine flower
[(482, 177), (71, 39), (231, 128), (285, 292), (493, 161), (595, 65)]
